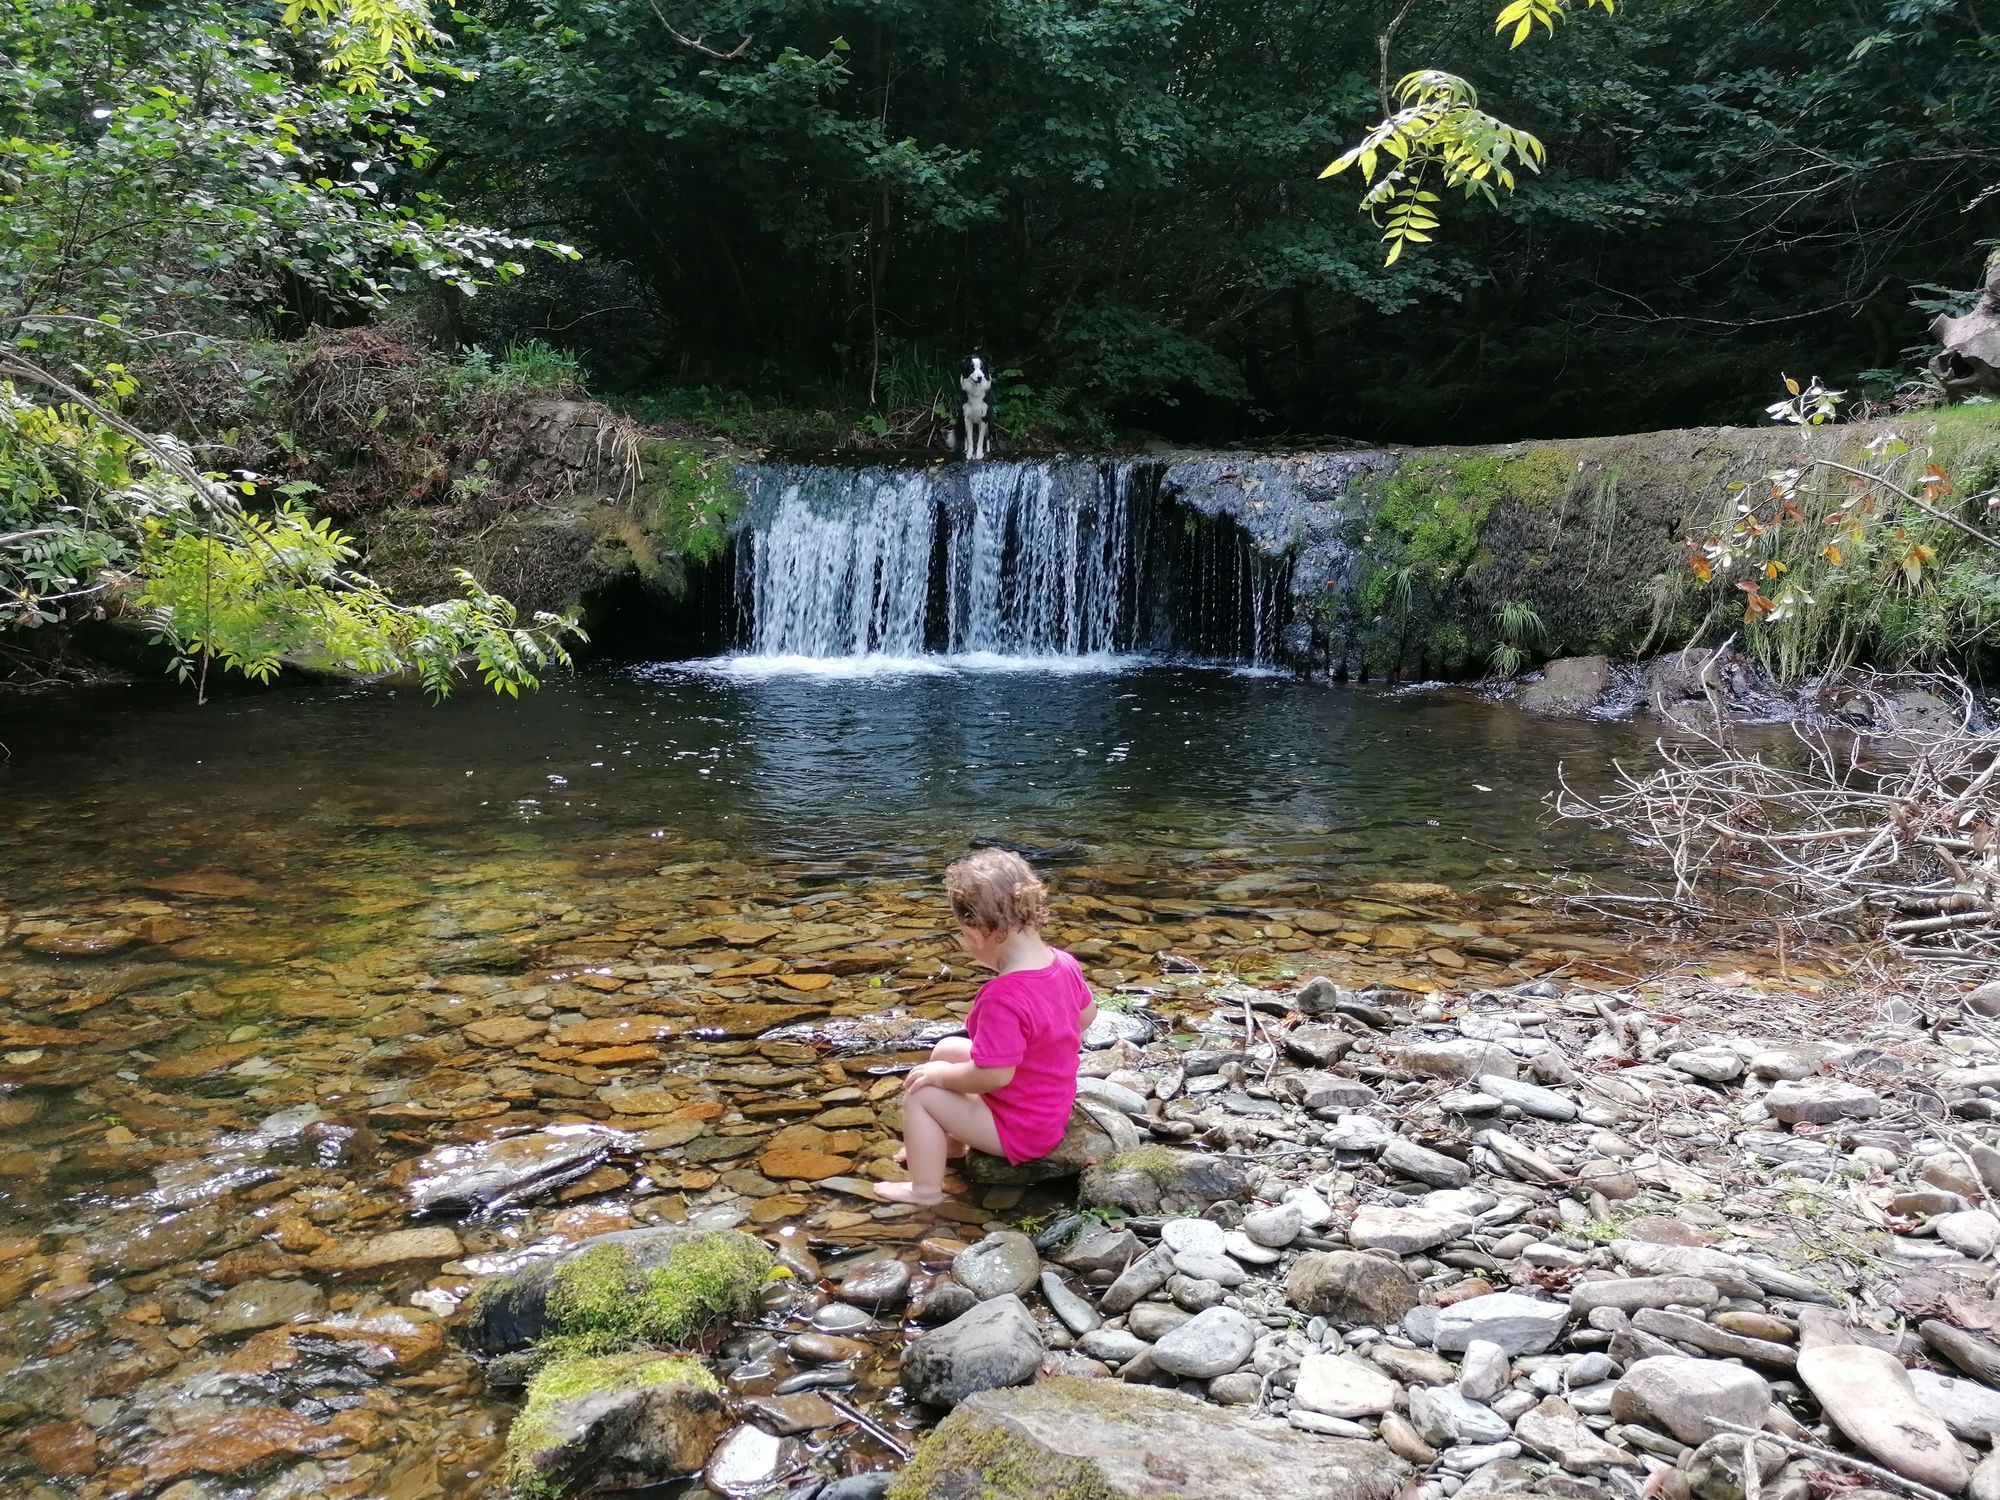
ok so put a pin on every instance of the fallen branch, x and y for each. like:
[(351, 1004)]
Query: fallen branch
[(1834, 1456)]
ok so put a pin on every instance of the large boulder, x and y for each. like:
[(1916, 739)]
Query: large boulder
[(1569, 685), (649, 1286), (619, 1420), (996, 1344), (1097, 1132), (1113, 1441), (1969, 362), (1369, 1291)]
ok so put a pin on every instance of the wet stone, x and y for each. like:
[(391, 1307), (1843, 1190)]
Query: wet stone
[(1004, 1264), (877, 1285), (826, 1348), (840, 1318), (256, 1305)]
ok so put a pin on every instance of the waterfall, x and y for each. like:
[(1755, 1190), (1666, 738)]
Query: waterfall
[(1061, 558)]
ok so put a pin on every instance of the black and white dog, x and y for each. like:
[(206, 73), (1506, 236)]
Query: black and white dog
[(973, 412)]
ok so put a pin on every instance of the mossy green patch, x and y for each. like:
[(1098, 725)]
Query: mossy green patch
[(600, 1301), (970, 1458), (687, 498), (534, 1429), (1160, 1163)]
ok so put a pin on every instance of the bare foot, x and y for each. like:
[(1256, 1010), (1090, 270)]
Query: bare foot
[(903, 1155), (909, 1192)]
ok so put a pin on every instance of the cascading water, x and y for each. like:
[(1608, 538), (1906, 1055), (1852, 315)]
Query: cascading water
[(1044, 559)]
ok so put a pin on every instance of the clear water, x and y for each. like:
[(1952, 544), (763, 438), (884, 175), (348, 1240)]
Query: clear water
[(388, 867)]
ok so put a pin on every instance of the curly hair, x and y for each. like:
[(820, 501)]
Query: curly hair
[(993, 890)]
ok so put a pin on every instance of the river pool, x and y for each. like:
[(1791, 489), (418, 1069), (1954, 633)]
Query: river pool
[(257, 956)]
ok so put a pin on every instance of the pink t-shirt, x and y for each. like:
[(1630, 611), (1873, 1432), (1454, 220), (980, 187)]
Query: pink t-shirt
[(1031, 1021)]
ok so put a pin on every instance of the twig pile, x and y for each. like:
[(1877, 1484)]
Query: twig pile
[(1892, 836)]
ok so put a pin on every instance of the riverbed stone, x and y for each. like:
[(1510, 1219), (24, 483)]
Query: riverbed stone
[(1351, 1288), (1685, 1396), (1868, 1395), (996, 1344), (1274, 1227), (879, 1284), (1337, 1386), (383, 1254), (1972, 1232), (1408, 1159), (1075, 1312), (660, 1284), (1821, 1101), (1127, 1442), (1407, 1231), (642, 1417), (487, 1175), (1969, 1409), (1099, 1247), (1208, 1344), (1518, 1323), (1554, 1430), (254, 1305), (1004, 1264), (1097, 1132)]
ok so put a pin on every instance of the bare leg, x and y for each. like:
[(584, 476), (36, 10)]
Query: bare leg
[(952, 1049), (932, 1118)]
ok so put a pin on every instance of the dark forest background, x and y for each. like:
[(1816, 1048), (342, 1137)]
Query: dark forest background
[(1120, 201)]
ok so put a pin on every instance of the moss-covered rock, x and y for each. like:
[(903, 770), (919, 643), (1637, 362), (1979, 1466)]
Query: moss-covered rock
[(629, 1419), (634, 1288), (1072, 1439), (1096, 1133)]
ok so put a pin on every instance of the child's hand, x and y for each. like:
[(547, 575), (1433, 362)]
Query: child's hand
[(922, 1076)]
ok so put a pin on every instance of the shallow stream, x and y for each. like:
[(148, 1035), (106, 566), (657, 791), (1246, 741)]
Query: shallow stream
[(255, 957)]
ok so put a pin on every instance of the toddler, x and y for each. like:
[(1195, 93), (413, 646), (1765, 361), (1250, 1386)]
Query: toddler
[(1005, 1087)]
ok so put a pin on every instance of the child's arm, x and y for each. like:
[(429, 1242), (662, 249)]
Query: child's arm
[(1089, 1015), (959, 1077)]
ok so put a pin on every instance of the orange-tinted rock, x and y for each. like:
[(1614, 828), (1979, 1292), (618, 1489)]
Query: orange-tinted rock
[(809, 983), (399, 1250), (808, 1166), (245, 1441), (204, 1060), (504, 1031), (74, 942), (399, 1338), (746, 934), (217, 883), (65, 1450), (44, 1036)]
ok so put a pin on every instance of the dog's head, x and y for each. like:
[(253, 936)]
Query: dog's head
[(972, 371)]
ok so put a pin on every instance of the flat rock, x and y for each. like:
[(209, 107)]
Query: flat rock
[(1099, 1247), (489, 1175), (1684, 1397), (1518, 1323), (1127, 1442), (1529, 1098), (1425, 1165), (996, 1344), (381, 1254), (255, 1305), (1868, 1395), (1554, 1430), (1211, 1343), (1336, 1386), (1630, 1293), (879, 1284), (1457, 1059), (1969, 1409), (1710, 1064), (1075, 1312), (1406, 1231), (1820, 1101)]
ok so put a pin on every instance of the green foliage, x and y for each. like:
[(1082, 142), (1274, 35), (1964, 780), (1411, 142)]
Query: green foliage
[(173, 175), (1440, 134), (1521, 631), (686, 502), (1879, 555)]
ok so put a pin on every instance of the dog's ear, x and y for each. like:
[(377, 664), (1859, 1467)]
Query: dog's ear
[(965, 368)]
